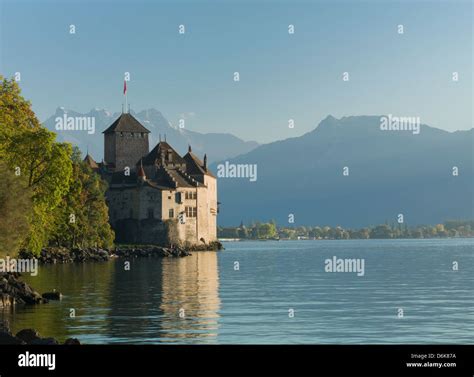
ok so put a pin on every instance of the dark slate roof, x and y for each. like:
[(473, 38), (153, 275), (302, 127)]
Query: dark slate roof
[(194, 166), (163, 179), (182, 179), (155, 153), (126, 123)]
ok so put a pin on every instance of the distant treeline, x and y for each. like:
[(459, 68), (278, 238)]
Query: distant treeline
[(268, 231)]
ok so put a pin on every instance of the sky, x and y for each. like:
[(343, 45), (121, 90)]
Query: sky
[(282, 76)]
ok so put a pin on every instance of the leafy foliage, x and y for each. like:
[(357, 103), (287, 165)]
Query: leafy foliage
[(82, 218), (258, 231), (14, 209), (55, 178)]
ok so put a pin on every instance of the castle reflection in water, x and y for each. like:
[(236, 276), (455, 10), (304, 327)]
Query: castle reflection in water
[(139, 306), (169, 300)]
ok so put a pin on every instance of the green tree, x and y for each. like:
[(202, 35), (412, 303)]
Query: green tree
[(32, 151), (381, 231), (82, 219), (59, 183), (266, 230), (15, 205)]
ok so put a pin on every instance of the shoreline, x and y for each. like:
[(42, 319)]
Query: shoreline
[(340, 239), (54, 255)]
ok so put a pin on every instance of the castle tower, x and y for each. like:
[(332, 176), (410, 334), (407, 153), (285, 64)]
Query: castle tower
[(125, 142)]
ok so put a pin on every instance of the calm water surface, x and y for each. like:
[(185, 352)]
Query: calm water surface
[(251, 305)]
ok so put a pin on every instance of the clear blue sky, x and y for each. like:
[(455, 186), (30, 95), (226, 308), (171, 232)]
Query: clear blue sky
[(282, 76)]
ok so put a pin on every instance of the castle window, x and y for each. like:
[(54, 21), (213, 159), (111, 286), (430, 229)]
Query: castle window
[(151, 213), (171, 213), (191, 195), (121, 134), (178, 198), (191, 211)]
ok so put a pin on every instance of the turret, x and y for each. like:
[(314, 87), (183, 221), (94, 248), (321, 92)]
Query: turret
[(141, 176)]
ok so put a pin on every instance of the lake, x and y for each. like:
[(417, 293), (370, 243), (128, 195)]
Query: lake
[(265, 292)]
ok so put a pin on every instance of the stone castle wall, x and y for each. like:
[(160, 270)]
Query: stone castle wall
[(139, 214), (125, 148), (145, 232)]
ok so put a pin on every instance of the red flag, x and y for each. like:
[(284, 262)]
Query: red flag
[(124, 86)]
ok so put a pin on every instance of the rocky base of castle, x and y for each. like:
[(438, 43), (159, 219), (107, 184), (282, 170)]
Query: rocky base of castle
[(211, 246), (28, 336), (148, 251)]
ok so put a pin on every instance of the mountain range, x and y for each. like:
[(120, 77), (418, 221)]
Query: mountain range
[(346, 171), (387, 173), (217, 146)]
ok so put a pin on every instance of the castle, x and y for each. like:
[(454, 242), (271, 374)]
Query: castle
[(155, 197)]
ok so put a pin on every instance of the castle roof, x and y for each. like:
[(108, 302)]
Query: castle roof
[(120, 181), (194, 166), (164, 169), (90, 161), (163, 179), (126, 123), (182, 179), (166, 149)]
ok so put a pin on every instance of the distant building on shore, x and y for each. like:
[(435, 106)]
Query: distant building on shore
[(157, 196)]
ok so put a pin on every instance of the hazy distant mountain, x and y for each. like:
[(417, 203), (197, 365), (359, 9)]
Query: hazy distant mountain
[(218, 146), (390, 172)]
